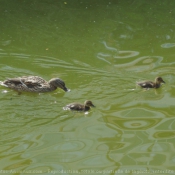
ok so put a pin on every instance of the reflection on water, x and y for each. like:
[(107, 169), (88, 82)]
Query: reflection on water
[(100, 59)]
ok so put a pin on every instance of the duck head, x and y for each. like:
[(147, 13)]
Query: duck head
[(89, 103), (159, 80), (57, 82)]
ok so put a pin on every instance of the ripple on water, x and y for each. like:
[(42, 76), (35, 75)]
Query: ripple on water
[(69, 146), (138, 113), (154, 147), (126, 54), (147, 158), (5, 43), (134, 123), (168, 45), (119, 55), (112, 145), (102, 131), (141, 64), (164, 134), (113, 52)]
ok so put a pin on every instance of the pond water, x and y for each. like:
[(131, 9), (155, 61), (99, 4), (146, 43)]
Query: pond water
[(100, 48)]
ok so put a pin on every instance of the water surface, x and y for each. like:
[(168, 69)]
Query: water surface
[(100, 49)]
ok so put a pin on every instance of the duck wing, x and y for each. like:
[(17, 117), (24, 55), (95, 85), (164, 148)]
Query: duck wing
[(25, 81), (146, 84), (75, 106), (33, 81)]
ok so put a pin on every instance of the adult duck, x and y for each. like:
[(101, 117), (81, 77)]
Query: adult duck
[(34, 84)]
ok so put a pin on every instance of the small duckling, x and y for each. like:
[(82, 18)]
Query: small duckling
[(79, 107), (151, 84)]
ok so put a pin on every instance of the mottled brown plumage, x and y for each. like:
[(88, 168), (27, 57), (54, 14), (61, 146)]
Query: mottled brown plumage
[(151, 84), (33, 84), (79, 107)]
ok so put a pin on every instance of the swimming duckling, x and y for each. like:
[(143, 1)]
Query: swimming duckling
[(79, 107), (34, 84), (151, 84)]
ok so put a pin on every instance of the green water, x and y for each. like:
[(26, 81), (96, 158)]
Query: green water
[(100, 48)]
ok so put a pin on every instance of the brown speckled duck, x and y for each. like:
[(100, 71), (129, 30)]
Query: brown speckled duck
[(79, 107), (33, 84), (151, 84)]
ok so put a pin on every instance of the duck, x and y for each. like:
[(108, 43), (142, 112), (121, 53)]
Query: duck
[(150, 84), (79, 107), (34, 84)]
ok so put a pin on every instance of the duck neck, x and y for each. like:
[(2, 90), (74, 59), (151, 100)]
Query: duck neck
[(86, 108), (52, 85), (157, 85)]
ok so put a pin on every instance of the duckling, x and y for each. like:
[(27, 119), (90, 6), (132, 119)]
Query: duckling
[(79, 107), (151, 84), (34, 84)]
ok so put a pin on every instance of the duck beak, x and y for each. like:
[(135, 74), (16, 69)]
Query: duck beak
[(66, 89), (93, 106), (163, 81)]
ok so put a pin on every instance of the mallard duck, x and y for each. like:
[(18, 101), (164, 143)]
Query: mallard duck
[(79, 107), (34, 84), (151, 84)]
